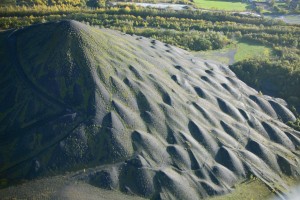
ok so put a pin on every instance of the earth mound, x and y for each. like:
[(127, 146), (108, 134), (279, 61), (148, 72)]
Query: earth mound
[(141, 116)]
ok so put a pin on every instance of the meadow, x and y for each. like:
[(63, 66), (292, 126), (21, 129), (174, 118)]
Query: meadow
[(239, 51), (246, 50), (221, 5)]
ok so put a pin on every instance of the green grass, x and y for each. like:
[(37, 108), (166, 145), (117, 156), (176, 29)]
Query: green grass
[(249, 190), (221, 5), (247, 50), (254, 189), (235, 52)]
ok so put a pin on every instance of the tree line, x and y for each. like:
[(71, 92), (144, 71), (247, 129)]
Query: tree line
[(192, 25)]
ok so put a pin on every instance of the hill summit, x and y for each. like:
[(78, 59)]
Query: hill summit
[(145, 117)]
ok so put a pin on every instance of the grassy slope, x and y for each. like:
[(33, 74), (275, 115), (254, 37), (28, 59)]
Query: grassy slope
[(250, 190), (221, 5), (254, 189)]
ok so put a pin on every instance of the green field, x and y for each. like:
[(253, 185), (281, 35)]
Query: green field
[(221, 5), (246, 50), (236, 52)]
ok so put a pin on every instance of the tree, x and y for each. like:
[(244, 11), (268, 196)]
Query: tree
[(96, 3), (7, 2), (100, 3)]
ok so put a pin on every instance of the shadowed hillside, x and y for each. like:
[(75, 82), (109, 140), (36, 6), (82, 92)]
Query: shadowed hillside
[(146, 118)]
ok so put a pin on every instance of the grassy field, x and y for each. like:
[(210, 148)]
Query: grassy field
[(247, 50), (221, 5), (235, 53)]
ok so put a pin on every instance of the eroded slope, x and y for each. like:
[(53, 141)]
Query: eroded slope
[(145, 117)]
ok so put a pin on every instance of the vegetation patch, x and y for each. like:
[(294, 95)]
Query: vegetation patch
[(221, 5), (253, 189), (248, 50), (235, 52), (276, 78)]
